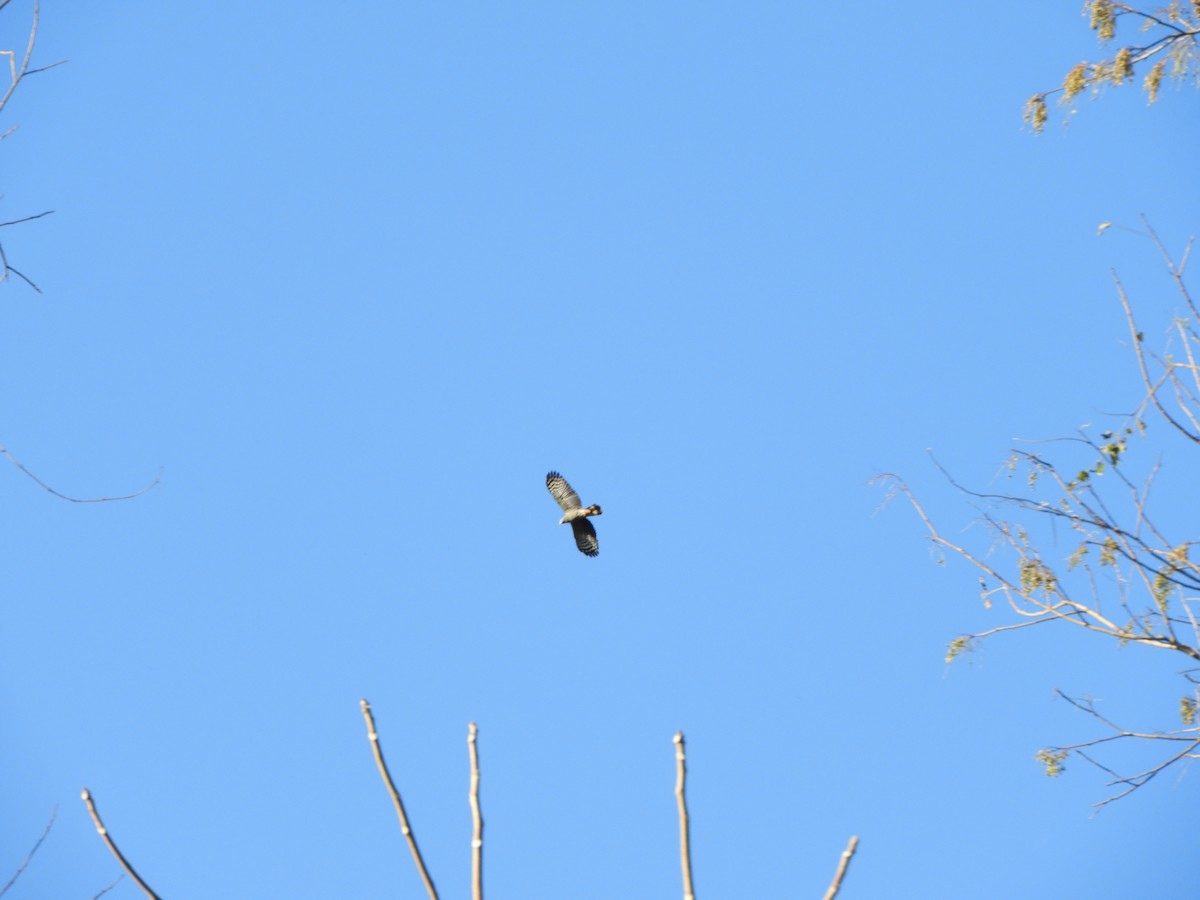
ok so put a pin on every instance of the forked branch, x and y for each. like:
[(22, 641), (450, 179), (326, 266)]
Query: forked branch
[(16, 74), (1053, 756)]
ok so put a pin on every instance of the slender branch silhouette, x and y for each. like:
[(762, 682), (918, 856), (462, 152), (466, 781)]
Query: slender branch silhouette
[(29, 856), (108, 887), (685, 846), (7, 269), (476, 815), (26, 219), (112, 847), (843, 865), (411, 838), (153, 484), (16, 75)]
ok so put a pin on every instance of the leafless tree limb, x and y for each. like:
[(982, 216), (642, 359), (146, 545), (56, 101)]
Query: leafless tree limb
[(843, 865), (476, 815), (112, 847), (153, 484), (685, 848), (26, 219), (411, 838), (8, 268), (29, 856), (16, 75), (55, 64), (108, 887)]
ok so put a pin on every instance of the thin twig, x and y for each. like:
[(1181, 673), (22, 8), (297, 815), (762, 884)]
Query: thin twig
[(476, 816), (153, 484), (685, 847), (108, 887), (26, 219), (16, 77), (373, 736), (24, 863), (58, 62), (7, 268), (112, 847), (843, 864), (1151, 389), (1136, 781)]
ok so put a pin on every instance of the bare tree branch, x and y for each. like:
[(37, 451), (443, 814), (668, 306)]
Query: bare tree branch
[(1152, 385), (153, 484), (16, 75), (411, 838), (25, 862), (112, 847), (476, 815), (843, 864), (56, 63), (7, 268), (26, 219), (108, 887), (685, 848)]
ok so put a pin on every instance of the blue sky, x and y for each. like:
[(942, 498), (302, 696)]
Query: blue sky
[(356, 278)]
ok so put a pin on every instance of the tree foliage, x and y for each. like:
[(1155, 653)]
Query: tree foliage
[(1166, 48)]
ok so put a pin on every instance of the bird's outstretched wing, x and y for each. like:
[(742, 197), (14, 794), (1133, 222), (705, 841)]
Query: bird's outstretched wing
[(562, 492), (585, 537)]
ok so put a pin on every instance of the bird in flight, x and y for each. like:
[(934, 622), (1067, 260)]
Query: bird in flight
[(575, 513)]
